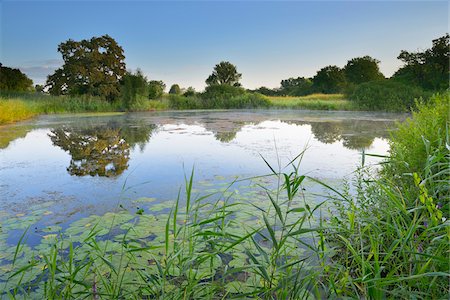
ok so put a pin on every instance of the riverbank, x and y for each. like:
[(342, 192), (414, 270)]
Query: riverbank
[(14, 108)]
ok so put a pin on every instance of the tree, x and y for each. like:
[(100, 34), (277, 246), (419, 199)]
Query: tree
[(428, 69), (329, 80), (362, 69), (133, 88), (156, 89), (189, 92), (296, 86), (175, 89), (224, 73), (39, 88), (13, 80), (91, 67)]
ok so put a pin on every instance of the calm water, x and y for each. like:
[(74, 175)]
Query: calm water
[(56, 169)]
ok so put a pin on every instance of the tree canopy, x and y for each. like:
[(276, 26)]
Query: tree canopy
[(224, 73), (175, 89), (91, 67), (299, 86), (156, 89), (329, 80), (134, 87), (362, 69), (428, 69), (13, 80)]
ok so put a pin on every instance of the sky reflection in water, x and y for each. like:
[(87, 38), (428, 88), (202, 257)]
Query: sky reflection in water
[(81, 165)]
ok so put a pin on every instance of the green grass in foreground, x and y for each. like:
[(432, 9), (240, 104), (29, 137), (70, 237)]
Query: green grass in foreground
[(313, 102), (386, 240)]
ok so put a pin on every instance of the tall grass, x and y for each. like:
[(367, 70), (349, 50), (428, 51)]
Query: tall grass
[(15, 110), (19, 106), (313, 102)]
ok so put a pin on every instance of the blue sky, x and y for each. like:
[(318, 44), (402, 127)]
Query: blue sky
[(180, 42)]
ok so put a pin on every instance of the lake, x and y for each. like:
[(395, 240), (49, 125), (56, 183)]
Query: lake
[(55, 170)]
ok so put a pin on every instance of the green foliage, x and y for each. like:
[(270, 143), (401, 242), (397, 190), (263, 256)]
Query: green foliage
[(313, 102), (362, 69), (182, 102), (329, 80), (190, 92), (423, 141), (265, 91), (387, 95), (175, 89), (391, 239), (133, 88), (14, 110), (13, 80), (91, 67), (224, 73), (156, 89), (219, 101), (429, 69), (296, 87), (227, 96), (222, 91)]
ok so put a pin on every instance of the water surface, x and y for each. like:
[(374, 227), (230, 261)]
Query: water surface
[(57, 169)]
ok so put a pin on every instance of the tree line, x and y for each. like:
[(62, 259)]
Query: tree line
[(96, 68)]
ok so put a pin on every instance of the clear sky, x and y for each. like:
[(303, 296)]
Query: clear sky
[(180, 42)]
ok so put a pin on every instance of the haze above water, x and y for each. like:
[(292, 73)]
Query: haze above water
[(75, 166)]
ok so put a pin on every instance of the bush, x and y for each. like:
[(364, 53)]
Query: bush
[(226, 96), (182, 102), (386, 95)]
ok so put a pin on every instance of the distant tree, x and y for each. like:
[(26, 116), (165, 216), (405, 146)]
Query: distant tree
[(299, 86), (329, 80), (39, 88), (189, 92), (175, 89), (156, 89), (428, 69), (224, 73), (133, 88), (13, 80), (266, 91), (91, 67), (362, 69)]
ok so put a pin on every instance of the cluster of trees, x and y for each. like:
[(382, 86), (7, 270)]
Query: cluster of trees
[(135, 87), (330, 79), (424, 70), (14, 80)]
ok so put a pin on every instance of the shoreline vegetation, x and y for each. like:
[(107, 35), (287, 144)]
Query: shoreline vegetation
[(15, 107), (388, 239), (94, 78)]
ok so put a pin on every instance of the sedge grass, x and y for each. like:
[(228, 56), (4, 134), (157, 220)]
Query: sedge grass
[(313, 102)]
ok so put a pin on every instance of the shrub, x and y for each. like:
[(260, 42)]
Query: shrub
[(386, 95), (182, 102)]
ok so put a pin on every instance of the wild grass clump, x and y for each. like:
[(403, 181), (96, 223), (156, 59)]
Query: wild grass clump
[(390, 240), (220, 97), (313, 102), (12, 110), (386, 95)]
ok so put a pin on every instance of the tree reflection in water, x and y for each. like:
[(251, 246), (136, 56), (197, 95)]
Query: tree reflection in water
[(100, 150)]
